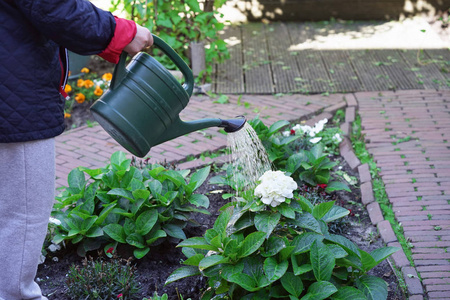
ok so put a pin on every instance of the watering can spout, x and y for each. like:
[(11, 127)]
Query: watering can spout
[(179, 127)]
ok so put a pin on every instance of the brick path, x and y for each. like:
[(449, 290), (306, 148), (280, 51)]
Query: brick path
[(407, 133)]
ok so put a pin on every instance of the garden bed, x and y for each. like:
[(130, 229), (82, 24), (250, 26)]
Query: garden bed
[(153, 269)]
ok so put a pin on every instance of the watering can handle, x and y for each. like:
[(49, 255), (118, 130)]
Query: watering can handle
[(120, 71)]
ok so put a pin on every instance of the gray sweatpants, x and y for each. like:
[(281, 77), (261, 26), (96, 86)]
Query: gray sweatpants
[(27, 186)]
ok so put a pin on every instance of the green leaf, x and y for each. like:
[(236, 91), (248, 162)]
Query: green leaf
[(273, 269), (136, 240), (182, 272), (155, 236), (222, 220), (373, 287), (251, 243), (194, 260), (87, 224), (292, 284), (305, 204), (140, 253), (200, 176), (121, 193), (118, 157), (197, 243), (295, 161), (199, 200), (76, 181), (174, 231), (141, 194), (212, 260), (146, 221), (348, 292), (381, 254), (322, 209), (245, 281), (116, 232), (345, 243), (336, 212), (95, 231), (267, 221), (286, 211), (273, 245), (277, 126), (303, 242), (320, 290), (299, 269), (307, 221), (155, 187), (337, 251), (337, 186), (368, 262), (322, 261), (105, 212)]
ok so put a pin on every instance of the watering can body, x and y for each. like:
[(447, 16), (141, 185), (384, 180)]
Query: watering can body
[(141, 109)]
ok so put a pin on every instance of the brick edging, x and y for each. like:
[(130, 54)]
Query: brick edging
[(409, 273)]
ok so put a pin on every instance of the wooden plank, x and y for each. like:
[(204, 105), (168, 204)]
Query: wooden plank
[(314, 77), (398, 70), (441, 58), (343, 76), (257, 72), (427, 73), (284, 66), (229, 74), (370, 75)]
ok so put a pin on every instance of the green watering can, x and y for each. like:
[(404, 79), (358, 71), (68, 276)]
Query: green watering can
[(142, 106)]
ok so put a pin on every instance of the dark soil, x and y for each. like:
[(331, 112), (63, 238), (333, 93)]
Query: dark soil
[(162, 260)]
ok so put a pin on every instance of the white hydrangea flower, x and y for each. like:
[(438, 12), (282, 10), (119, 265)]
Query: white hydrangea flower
[(315, 140), (275, 187), (337, 138), (54, 221), (286, 133)]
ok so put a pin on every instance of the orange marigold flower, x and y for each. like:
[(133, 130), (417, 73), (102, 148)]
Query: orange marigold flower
[(80, 82), (107, 77), (88, 83), (80, 98), (66, 115), (98, 91), (85, 70), (68, 88)]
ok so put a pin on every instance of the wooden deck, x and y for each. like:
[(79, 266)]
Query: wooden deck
[(264, 60)]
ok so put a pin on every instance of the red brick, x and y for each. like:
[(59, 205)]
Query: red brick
[(375, 214), (364, 173), (367, 193), (386, 232), (399, 257), (412, 281), (350, 113)]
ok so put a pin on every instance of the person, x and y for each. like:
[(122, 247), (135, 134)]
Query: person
[(34, 37)]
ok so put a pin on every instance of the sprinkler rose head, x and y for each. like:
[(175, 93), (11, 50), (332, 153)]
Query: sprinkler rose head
[(233, 125)]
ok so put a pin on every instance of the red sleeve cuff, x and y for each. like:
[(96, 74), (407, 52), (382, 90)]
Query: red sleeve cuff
[(123, 34)]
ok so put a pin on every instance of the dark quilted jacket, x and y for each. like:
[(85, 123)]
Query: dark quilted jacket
[(31, 35)]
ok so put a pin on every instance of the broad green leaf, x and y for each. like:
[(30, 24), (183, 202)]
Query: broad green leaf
[(273, 245), (95, 231), (182, 272), (199, 200), (231, 249), (116, 232), (267, 221), (317, 150), (373, 287), (140, 253), (303, 242), (338, 251), (155, 236), (337, 186), (322, 261), (222, 220), (305, 204), (293, 284), (174, 231), (336, 212), (307, 221), (381, 254), (368, 262), (105, 212), (212, 260), (277, 126), (273, 269), (322, 209), (345, 243), (76, 181), (194, 260), (285, 253), (245, 281), (141, 194), (87, 224), (197, 243), (199, 177), (121, 193), (136, 240), (118, 157), (146, 221), (129, 226), (251, 243), (299, 269), (348, 292), (155, 187), (229, 270), (135, 185), (295, 161), (286, 211), (320, 290)]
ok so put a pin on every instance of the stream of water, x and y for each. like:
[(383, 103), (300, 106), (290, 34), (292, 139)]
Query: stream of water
[(249, 159)]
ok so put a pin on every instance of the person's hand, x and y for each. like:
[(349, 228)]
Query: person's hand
[(142, 39)]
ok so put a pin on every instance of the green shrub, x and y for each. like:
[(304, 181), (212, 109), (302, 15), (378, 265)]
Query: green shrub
[(103, 280), (258, 252), (122, 204)]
